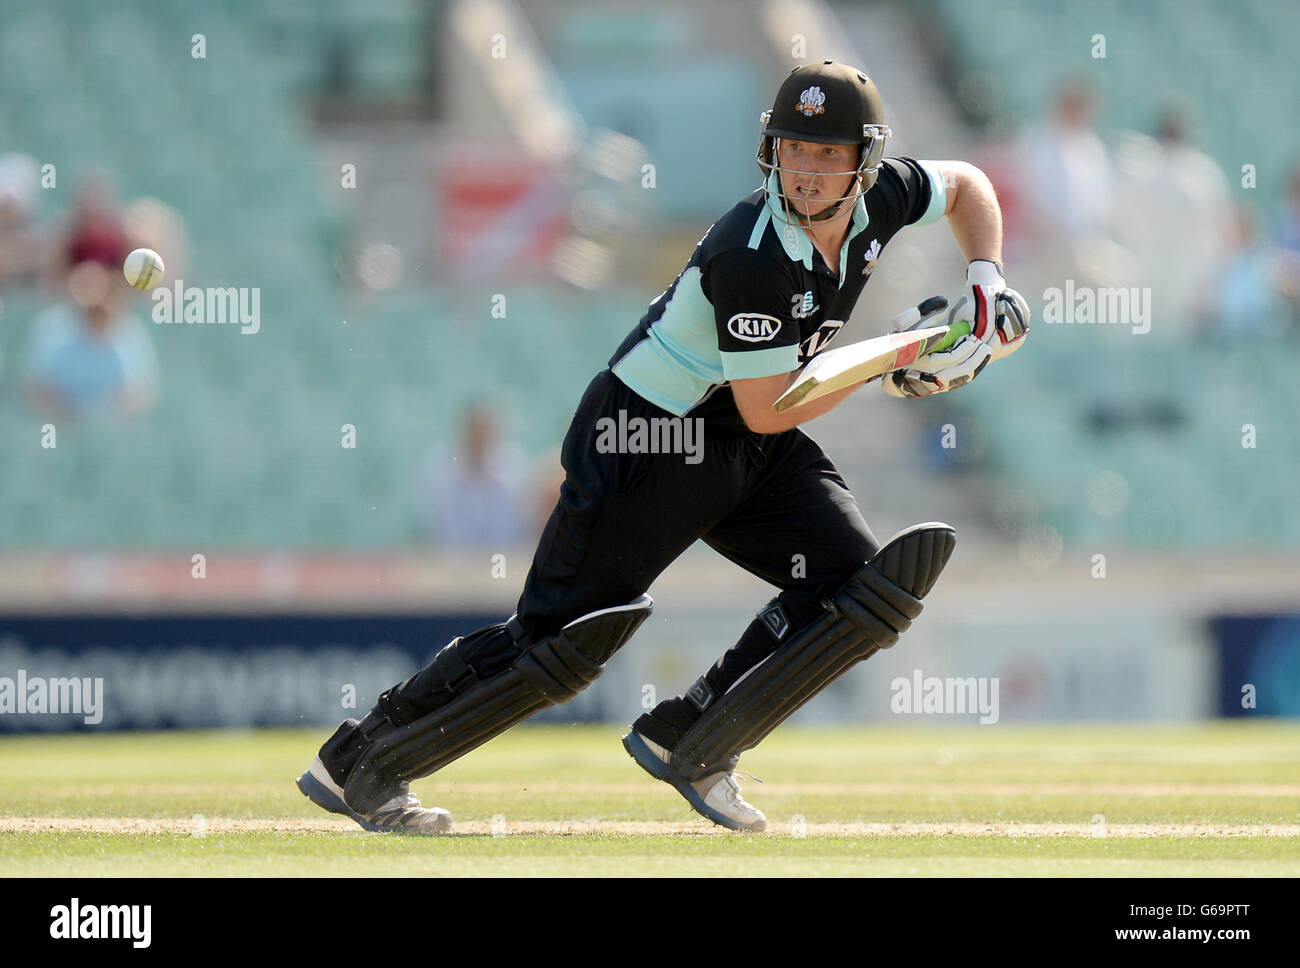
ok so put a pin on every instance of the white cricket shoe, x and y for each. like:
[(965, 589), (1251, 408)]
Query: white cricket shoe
[(402, 814), (716, 796)]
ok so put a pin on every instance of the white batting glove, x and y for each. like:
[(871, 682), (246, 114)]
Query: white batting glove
[(941, 371), (997, 316)]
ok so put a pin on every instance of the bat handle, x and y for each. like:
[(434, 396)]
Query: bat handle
[(912, 317), (955, 332)]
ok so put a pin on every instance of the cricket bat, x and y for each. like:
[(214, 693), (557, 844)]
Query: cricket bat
[(868, 359)]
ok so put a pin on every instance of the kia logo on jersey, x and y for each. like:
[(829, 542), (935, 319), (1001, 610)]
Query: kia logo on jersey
[(753, 327)]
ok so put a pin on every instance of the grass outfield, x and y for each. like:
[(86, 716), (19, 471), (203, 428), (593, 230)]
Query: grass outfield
[(1212, 800)]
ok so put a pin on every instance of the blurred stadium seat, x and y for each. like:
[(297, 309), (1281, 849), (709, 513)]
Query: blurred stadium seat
[(1191, 485), (243, 446)]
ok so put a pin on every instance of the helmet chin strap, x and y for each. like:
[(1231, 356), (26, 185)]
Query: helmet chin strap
[(822, 216), (828, 213)]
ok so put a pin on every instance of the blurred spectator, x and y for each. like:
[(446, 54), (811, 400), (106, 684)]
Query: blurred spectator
[(1244, 298), (1288, 229), (480, 501), (96, 233), (1067, 183), (20, 243), (86, 357), (1288, 238), (1173, 215)]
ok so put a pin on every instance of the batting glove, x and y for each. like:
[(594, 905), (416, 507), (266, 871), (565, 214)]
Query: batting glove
[(940, 371), (996, 315)]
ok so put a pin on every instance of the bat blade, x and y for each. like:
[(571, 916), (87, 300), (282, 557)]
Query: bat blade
[(836, 369)]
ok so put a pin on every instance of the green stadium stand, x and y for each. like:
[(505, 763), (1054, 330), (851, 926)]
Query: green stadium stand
[(1191, 485), (243, 447)]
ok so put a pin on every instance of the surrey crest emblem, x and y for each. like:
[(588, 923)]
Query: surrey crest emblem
[(871, 255), (811, 101)]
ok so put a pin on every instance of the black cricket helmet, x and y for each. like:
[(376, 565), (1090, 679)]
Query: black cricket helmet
[(833, 104)]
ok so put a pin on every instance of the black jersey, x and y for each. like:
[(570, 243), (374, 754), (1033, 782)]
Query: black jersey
[(757, 298)]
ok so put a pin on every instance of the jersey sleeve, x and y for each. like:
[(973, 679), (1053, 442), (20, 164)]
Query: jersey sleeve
[(913, 190), (752, 304)]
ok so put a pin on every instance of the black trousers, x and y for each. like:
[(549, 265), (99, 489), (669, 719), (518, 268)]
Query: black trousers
[(772, 503)]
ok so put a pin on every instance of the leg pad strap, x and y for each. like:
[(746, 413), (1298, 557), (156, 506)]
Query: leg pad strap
[(869, 612), (545, 673)]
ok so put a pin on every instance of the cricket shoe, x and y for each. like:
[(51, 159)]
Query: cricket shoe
[(716, 796), (403, 814)]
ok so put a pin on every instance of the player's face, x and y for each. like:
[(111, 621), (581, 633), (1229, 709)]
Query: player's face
[(830, 171)]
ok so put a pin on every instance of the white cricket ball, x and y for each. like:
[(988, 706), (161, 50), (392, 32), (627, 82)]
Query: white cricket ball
[(143, 268)]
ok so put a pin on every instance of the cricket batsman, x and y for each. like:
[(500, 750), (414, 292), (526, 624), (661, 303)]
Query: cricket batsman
[(767, 288)]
